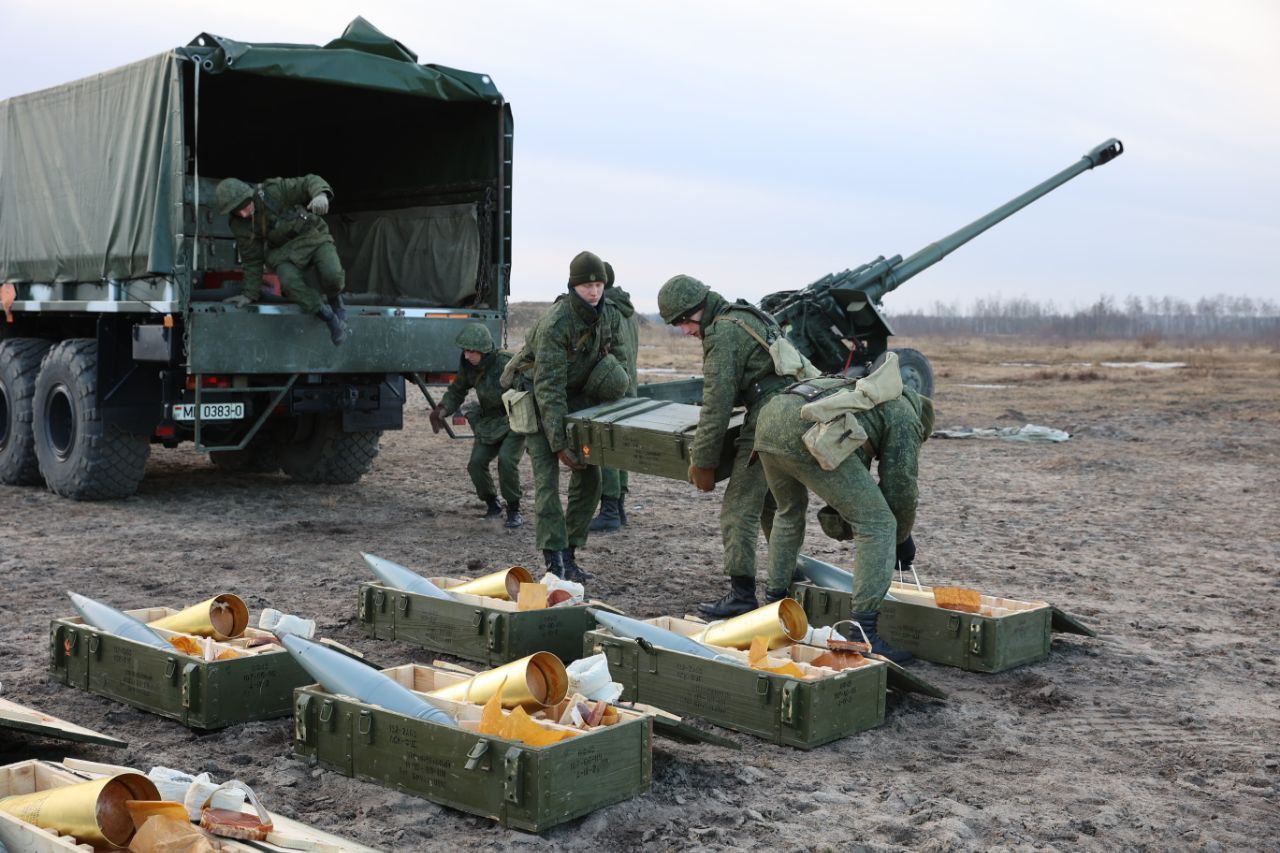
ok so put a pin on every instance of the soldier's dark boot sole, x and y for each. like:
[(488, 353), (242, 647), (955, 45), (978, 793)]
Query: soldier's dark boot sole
[(727, 607)]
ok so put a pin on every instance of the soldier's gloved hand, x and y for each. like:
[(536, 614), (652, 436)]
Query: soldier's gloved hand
[(906, 554), (703, 478), (320, 204), (239, 300), (569, 460), (437, 419)]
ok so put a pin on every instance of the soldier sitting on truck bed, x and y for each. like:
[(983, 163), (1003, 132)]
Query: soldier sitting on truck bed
[(278, 224), (888, 424), (482, 365)]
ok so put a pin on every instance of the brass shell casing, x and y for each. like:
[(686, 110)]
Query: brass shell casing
[(504, 584), (93, 812), (781, 622), (222, 617), (534, 682)]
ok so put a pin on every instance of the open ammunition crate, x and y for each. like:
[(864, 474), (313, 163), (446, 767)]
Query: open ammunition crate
[(1003, 634), (476, 627), (645, 436), (29, 777), (198, 693), (779, 708), (520, 786)]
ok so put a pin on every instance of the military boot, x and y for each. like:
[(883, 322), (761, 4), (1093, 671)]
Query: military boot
[(337, 329), (514, 518), (772, 595), (740, 599), (551, 560), (493, 508), (572, 571), (609, 519), (622, 509), (339, 309), (868, 620)]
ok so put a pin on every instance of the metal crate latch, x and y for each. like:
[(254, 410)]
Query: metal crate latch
[(365, 726), (189, 698), (512, 783), (493, 626), (480, 750), (788, 710), (975, 637), (301, 705)]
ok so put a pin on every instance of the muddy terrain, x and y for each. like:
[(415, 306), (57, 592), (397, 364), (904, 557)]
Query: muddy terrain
[(1155, 524)]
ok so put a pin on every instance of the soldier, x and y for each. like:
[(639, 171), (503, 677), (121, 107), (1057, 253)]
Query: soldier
[(578, 351), (737, 371), (613, 483), (878, 518), (278, 224), (481, 366)]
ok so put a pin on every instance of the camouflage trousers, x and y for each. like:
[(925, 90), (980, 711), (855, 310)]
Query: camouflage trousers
[(747, 507), (508, 452), (557, 528), (851, 491), (323, 268), (613, 482)]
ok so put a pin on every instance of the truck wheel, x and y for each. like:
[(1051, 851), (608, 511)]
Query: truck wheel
[(19, 365), (329, 455), (917, 372), (80, 457), (258, 458)]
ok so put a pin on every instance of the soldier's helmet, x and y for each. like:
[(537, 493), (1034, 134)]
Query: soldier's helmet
[(586, 267), (679, 297), (608, 275), (608, 381), (476, 337), (231, 195)]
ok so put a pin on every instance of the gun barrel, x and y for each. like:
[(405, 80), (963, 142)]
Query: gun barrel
[(893, 278)]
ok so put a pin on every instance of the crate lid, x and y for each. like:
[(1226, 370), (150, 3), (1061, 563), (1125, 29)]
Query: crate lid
[(1065, 623), (23, 719)]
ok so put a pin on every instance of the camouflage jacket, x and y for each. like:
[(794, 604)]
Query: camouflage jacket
[(281, 229), (895, 431), (566, 344), (736, 371), (621, 300), (491, 425)]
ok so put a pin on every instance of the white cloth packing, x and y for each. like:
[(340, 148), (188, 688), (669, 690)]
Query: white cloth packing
[(285, 623), (192, 791), (553, 582), (590, 677)]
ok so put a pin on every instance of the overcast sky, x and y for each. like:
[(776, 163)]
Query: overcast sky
[(759, 149)]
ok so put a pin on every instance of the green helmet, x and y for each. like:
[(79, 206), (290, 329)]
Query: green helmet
[(231, 195), (586, 267), (679, 297), (475, 337), (608, 275), (608, 381)]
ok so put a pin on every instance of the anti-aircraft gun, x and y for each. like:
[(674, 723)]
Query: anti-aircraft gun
[(836, 320)]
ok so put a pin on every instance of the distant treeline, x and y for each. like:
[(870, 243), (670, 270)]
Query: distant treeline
[(1217, 317)]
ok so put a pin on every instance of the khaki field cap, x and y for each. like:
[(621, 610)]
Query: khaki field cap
[(231, 195), (475, 337), (586, 267), (608, 381), (679, 297)]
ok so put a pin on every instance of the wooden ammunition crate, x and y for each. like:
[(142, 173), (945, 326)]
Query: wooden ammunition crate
[(197, 693), (1005, 633), (645, 436), (520, 786), (778, 708), (488, 630)]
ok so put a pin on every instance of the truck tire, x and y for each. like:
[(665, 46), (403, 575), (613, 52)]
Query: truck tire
[(917, 372), (81, 457), (329, 455), (258, 458), (19, 366)]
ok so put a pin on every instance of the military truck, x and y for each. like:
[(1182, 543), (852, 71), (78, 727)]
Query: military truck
[(114, 263), (838, 321)]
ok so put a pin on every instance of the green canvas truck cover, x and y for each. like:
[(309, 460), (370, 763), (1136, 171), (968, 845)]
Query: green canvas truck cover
[(91, 171)]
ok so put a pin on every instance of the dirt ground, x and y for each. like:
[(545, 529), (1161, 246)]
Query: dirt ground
[(1155, 524)]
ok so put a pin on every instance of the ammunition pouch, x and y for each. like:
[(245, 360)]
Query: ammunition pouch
[(834, 525), (764, 389)]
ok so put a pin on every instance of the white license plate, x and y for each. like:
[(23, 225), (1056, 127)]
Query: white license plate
[(209, 411)]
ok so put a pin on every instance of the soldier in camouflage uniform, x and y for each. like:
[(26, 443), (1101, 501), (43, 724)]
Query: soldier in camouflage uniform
[(278, 224), (576, 354), (737, 371), (481, 366), (879, 518), (613, 483)]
